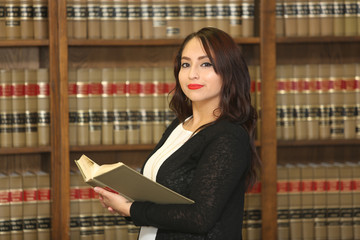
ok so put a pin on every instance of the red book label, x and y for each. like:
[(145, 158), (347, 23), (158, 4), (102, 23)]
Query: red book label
[(74, 193), (332, 185), (16, 195), (44, 89), (95, 89), (147, 88), (107, 88), (82, 88), (159, 88), (307, 186), (85, 193), (120, 88), (31, 90), (320, 186), (19, 90), (30, 195), (44, 194), (282, 186), (346, 185), (4, 196), (134, 88), (294, 186), (72, 89)]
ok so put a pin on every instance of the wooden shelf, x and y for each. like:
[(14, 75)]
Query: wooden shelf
[(24, 150), (24, 43), (104, 148), (317, 143), (295, 40)]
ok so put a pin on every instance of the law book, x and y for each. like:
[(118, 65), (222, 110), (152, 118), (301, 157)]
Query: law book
[(75, 178), (223, 16), (324, 101), (290, 18), (79, 19), (339, 18), (211, 13), (169, 91), (279, 18), (5, 227), (107, 106), (97, 214), (43, 106), (121, 19), (350, 110), (253, 196), (41, 18), (199, 15), (159, 19), (295, 201), (18, 105), (134, 19), (307, 201), (2, 20), (133, 232), (147, 31), (133, 105), (30, 198), (6, 116), (121, 227), (43, 205), (248, 18), (351, 18), (312, 101), (120, 113), (258, 100), (357, 90), (109, 225), (31, 108), (16, 205), (12, 19), (72, 106), (283, 230), (93, 19), (356, 199), (95, 106), (146, 105), (332, 201), (70, 18), (82, 101), (314, 18), (173, 21), (126, 181), (107, 20), (235, 18), (158, 103), (186, 14), (302, 18), (85, 211), (26, 19), (301, 111), (327, 18)]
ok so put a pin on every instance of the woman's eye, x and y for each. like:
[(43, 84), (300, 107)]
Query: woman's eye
[(184, 65), (206, 64)]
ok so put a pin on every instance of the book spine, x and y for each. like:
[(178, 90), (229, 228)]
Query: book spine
[(31, 96), (211, 12), (43, 107), (18, 104), (173, 21), (356, 199), (73, 118), (339, 18), (43, 205), (30, 198), (75, 178), (350, 110), (120, 114), (110, 225), (16, 206), (319, 201), (12, 19), (121, 19), (79, 19), (134, 20), (283, 203), (93, 19), (41, 24), (235, 18), (146, 105), (121, 227), (253, 198), (186, 17), (70, 18), (82, 101), (312, 101), (327, 18), (290, 16), (324, 100), (97, 215), (95, 106), (301, 111), (248, 18), (169, 87), (5, 227), (279, 18), (351, 10), (314, 18), (107, 16), (107, 83), (159, 18), (26, 19), (223, 16), (346, 201), (295, 196), (357, 90), (302, 21), (2, 20), (85, 218), (158, 103), (258, 100), (133, 105), (147, 13), (6, 116), (199, 15)]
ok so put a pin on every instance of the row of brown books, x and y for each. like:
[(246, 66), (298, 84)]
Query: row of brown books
[(154, 19), (24, 107), (89, 220), (302, 18), (318, 101), (25, 205), (25, 19)]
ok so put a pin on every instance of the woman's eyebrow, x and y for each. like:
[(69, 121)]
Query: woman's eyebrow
[(199, 58)]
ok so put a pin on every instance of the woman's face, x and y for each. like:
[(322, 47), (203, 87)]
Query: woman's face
[(197, 77)]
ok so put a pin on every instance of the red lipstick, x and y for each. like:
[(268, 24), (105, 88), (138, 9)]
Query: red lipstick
[(194, 86)]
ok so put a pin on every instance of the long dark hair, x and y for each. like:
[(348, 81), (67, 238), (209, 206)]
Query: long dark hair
[(235, 103)]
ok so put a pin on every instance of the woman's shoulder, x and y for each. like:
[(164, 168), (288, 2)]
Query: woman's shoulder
[(226, 127)]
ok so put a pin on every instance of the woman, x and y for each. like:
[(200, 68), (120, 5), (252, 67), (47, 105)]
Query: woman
[(207, 154)]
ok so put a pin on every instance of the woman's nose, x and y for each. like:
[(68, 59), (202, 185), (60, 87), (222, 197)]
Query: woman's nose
[(193, 73)]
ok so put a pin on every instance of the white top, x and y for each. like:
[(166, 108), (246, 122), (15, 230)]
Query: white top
[(176, 139)]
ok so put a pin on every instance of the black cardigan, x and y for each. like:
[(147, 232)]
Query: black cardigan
[(210, 168)]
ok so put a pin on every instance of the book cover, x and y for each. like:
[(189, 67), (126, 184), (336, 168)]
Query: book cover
[(173, 22), (326, 18), (43, 106), (30, 198), (301, 111), (85, 210), (121, 19), (12, 19), (95, 106), (41, 24), (120, 113), (133, 105), (159, 19), (79, 19), (75, 178), (97, 214), (147, 13), (324, 100), (295, 201), (134, 19), (107, 106), (107, 19), (6, 116), (26, 19), (5, 227), (346, 200), (43, 205), (158, 102), (31, 108), (312, 101), (82, 101), (302, 18), (314, 18), (16, 205), (128, 182), (72, 91), (235, 18), (290, 18), (2, 20), (93, 19), (350, 111), (283, 203), (18, 104), (248, 18), (146, 105)]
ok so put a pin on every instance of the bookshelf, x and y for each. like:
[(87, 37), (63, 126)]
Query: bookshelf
[(59, 52)]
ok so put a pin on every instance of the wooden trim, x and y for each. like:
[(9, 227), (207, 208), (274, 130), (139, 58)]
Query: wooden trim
[(268, 112), (24, 43), (295, 40), (24, 150)]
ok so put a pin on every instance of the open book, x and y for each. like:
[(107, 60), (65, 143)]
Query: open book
[(128, 182)]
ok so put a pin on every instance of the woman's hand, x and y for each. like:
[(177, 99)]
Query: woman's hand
[(114, 202)]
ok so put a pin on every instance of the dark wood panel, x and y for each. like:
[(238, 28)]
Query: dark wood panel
[(19, 57)]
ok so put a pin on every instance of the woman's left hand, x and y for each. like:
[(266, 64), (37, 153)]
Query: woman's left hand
[(114, 202)]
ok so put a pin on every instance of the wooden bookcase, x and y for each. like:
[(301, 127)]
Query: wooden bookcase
[(60, 52)]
